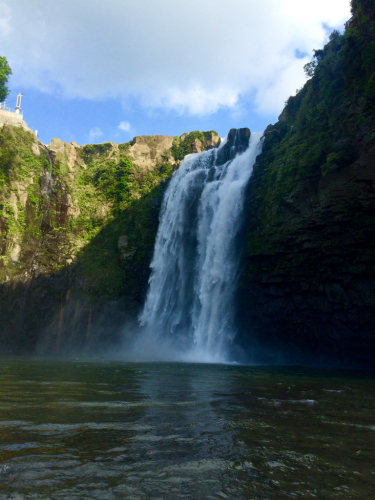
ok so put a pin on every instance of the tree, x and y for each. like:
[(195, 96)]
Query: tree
[(5, 72), (334, 35), (309, 69)]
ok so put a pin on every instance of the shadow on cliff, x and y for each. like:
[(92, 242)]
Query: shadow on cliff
[(90, 305), (307, 294)]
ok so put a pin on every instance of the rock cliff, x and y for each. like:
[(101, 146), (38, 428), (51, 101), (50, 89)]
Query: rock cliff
[(236, 143), (77, 231), (309, 286)]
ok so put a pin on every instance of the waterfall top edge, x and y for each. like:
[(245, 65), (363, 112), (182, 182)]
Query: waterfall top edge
[(237, 141)]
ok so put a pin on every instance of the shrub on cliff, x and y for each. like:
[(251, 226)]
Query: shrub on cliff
[(185, 144)]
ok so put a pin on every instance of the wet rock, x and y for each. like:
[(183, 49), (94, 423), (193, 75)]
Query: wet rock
[(123, 243), (237, 143)]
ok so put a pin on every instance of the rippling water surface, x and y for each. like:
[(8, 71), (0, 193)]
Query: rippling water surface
[(87, 430)]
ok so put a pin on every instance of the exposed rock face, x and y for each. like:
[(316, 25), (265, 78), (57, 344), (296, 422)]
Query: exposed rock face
[(68, 154), (237, 142), (77, 231), (194, 142), (210, 143), (147, 150)]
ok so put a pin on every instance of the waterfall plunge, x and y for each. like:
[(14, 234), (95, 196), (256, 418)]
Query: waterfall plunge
[(189, 310)]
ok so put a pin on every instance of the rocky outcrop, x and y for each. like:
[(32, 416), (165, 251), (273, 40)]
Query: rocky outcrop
[(149, 150), (236, 143), (198, 145), (194, 142), (68, 154)]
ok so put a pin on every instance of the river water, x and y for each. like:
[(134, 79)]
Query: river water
[(112, 430)]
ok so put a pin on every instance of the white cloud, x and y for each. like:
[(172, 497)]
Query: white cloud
[(5, 20), (192, 57), (195, 100), (94, 134), (125, 126), (271, 95)]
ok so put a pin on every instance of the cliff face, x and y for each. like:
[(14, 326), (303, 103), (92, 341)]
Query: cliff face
[(310, 269), (77, 231)]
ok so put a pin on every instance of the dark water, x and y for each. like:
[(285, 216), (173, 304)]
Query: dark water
[(72, 430)]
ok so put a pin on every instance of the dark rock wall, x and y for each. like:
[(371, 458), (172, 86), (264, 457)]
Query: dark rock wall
[(308, 292), (236, 143)]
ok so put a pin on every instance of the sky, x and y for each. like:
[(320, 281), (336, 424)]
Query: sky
[(93, 71)]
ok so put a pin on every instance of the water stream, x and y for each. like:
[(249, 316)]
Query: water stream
[(189, 310)]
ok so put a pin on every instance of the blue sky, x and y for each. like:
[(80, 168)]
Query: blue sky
[(94, 71)]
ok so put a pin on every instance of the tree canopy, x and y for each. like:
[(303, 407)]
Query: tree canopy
[(5, 72)]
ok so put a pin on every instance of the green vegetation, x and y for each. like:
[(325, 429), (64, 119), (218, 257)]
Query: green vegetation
[(20, 173), (309, 279), (16, 158), (318, 132), (5, 72), (186, 145), (71, 222), (108, 185), (95, 151)]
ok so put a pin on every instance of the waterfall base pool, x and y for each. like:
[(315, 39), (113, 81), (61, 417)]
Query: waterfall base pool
[(111, 430)]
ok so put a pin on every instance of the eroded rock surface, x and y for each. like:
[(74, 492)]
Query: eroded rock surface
[(147, 150), (77, 231)]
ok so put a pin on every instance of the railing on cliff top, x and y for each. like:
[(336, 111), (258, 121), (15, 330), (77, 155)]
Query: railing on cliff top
[(18, 110), (3, 107)]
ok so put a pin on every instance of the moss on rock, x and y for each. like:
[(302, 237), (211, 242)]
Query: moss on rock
[(64, 209), (311, 208)]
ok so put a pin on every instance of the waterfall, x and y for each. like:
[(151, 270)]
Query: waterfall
[(189, 310)]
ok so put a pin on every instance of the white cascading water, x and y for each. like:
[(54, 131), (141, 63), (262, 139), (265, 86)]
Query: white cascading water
[(189, 310)]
